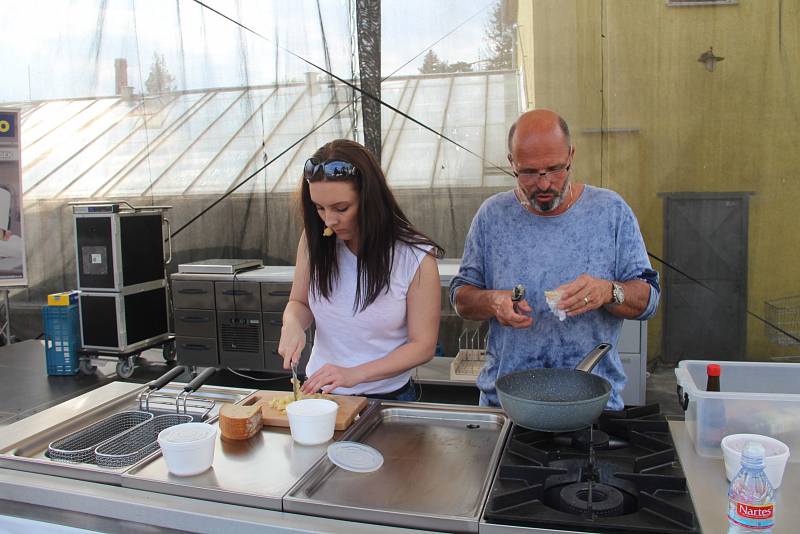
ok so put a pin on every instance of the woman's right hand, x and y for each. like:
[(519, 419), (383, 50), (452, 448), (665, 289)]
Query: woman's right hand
[(291, 344)]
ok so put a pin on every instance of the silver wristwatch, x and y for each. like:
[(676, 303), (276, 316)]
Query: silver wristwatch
[(617, 293)]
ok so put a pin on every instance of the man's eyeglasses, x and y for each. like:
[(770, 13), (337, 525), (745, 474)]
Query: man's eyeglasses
[(330, 169), (552, 174)]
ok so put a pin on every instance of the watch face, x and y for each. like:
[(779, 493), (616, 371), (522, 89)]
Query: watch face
[(619, 294)]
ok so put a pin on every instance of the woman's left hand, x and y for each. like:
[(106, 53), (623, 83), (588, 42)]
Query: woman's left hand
[(330, 377)]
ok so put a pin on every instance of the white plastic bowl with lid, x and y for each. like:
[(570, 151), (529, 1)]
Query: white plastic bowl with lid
[(188, 448), (776, 454), (312, 421)]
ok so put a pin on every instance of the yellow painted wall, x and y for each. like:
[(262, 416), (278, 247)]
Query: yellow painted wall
[(633, 64)]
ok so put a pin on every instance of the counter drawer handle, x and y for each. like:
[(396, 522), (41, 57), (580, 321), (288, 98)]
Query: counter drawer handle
[(236, 292), (279, 293), (274, 322), (192, 291), (195, 319), (195, 346)]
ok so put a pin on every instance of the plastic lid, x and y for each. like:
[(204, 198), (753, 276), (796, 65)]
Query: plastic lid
[(188, 433), (355, 457), (713, 369)]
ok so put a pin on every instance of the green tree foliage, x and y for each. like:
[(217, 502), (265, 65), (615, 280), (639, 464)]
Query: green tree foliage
[(499, 39), (431, 64), (159, 80)]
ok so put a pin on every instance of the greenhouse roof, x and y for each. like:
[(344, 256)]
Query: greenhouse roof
[(209, 141)]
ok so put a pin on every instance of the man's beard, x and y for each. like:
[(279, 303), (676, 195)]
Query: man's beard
[(552, 204)]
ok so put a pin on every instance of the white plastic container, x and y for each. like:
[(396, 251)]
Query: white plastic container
[(776, 454), (755, 398), (312, 421), (188, 448)]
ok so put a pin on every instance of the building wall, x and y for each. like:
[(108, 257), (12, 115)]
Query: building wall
[(630, 66)]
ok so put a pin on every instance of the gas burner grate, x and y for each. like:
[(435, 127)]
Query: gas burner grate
[(633, 479)]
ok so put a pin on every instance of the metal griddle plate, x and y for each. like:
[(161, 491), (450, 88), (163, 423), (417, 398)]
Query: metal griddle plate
[(438, 464), (23, 444)]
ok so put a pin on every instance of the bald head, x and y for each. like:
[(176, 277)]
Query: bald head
[(531, 125)]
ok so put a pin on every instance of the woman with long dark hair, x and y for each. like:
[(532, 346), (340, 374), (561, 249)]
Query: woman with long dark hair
[(365, 276)]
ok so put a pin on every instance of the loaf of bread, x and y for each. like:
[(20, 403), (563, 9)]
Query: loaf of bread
[(239, 422)]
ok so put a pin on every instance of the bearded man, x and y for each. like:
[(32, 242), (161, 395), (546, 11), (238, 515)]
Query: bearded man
[(578, 243)]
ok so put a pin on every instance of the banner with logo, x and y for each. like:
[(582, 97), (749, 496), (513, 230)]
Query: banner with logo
[(12, 245)]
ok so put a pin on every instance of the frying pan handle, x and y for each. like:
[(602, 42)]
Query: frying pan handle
[(162, 380), (200, 379), (593, 358)]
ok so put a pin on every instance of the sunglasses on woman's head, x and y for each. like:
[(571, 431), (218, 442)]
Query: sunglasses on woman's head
[(330, 169)]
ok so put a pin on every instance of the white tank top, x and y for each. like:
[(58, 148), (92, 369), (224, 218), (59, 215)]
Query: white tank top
[(347, 338)]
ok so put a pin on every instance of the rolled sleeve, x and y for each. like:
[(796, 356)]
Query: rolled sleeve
[(652, 305), (634, 263), (472, 270)]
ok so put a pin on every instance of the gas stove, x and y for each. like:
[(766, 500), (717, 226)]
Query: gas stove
[(621, 475)]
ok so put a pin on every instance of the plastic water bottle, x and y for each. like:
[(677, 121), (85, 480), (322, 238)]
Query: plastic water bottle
[(751, 498)]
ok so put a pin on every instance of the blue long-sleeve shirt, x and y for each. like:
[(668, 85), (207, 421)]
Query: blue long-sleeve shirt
[(508, 245)]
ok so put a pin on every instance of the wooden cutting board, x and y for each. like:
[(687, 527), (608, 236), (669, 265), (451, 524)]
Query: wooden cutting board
[(349, 408)]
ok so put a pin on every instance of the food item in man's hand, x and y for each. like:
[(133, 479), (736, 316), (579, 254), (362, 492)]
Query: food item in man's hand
[(553, 298), (327, 232)]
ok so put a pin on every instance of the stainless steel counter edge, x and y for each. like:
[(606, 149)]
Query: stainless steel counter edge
[(165, 511), (42, 421)]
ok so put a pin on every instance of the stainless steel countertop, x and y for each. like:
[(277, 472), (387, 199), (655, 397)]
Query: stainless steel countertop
[(255, 472), (23, 445), (448, 268), (437, 372), (709, 487), (30, 426), (53, 490)]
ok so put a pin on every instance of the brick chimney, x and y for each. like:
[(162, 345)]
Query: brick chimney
[(120, 75)]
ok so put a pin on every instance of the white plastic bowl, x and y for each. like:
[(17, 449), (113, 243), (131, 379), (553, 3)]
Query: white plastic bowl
[(312, 421), (776, 454), (188, 448)]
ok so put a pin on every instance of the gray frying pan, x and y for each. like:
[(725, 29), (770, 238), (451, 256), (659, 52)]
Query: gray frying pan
[(556, 400)]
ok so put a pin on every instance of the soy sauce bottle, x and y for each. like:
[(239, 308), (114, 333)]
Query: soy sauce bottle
[(716, 421), (713, 371)]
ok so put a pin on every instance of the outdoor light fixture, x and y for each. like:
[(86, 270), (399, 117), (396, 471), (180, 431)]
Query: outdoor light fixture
[(709, 59)]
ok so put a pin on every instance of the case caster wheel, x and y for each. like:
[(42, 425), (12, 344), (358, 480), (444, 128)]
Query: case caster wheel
[(169, 352), (86, 368), (125, 367)]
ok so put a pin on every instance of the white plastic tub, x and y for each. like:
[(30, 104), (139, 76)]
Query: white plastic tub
[(755, 398), (312, 421), (188, 448), (776, 453)]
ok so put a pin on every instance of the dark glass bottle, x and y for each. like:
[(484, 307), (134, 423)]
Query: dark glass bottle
[(713, 372)]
